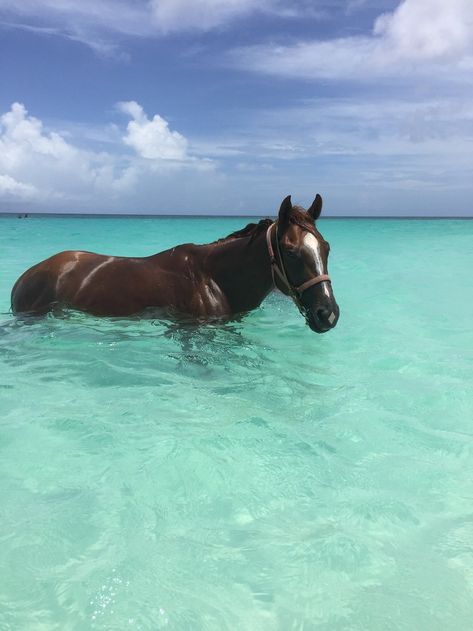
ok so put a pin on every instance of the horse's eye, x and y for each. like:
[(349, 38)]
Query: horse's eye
[(292, 253)]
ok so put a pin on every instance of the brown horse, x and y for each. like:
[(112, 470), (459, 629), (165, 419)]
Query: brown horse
[(218, 280)]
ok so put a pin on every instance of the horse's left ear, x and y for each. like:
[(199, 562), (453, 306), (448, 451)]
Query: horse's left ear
[(316, 208)]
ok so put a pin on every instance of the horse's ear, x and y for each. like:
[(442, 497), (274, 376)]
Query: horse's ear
[(316, 208), (284, 212)]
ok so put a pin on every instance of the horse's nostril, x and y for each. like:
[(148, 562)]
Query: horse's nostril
[(323, 315)]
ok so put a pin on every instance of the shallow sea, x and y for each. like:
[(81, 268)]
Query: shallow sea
[(252, 476)]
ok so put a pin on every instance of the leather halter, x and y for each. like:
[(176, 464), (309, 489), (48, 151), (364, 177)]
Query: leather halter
[(295, 291)]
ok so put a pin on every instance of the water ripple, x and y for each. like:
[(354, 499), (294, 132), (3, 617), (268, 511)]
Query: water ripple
[(249, 475)]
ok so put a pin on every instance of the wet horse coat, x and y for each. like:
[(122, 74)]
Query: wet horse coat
[(217, 280)]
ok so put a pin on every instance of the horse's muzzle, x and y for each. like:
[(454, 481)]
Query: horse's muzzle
[(323, 319)]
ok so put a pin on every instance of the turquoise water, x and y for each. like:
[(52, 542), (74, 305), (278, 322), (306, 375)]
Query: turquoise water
[(253, 476)]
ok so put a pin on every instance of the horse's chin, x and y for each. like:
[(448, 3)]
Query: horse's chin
[(315, 326), (317, 329)]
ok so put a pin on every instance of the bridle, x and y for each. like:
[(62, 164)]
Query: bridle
[(295, 291)]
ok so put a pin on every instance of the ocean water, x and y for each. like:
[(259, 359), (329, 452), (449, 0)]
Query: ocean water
[(252, 476)]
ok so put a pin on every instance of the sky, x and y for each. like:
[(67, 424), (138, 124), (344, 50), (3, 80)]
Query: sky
[(227, 106)]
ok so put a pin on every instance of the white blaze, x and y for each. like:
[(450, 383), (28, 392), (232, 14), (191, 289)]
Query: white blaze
[(311, 243)]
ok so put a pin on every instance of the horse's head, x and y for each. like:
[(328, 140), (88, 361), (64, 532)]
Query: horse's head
[(300, 262)]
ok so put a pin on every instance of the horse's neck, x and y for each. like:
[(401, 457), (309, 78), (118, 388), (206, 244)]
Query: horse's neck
[(242, 269)]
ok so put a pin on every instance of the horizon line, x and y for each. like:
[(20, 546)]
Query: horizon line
[(27, 215)]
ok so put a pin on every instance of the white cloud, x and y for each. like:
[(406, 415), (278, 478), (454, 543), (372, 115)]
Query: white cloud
[(428, 29), (99, 45), (152, 139), (9, 187), (359, 152), (97, 23), (119, 16), (203, 15), (39, 159), (420, 36), (23, 134), (322, 131), (43, 167)]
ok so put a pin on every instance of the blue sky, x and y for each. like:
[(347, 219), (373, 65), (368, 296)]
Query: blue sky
[(227, 106)]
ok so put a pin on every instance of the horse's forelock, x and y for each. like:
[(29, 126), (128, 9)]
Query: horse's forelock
[(300, 217)]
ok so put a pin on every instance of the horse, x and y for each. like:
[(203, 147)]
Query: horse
[(220, 280)]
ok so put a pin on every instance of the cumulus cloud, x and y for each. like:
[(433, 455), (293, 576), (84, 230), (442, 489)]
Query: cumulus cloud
[(419, 36), (428, 29), (360, 154), (37, 160), (152, 139), (9, 187), (43, 167), (24, 134)]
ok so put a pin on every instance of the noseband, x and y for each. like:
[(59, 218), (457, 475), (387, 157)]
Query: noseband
[(295, 291)]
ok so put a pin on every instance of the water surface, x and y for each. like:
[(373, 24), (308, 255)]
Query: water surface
[(251, 476)]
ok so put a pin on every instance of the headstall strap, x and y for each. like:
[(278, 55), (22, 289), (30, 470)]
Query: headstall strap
[(294, 291)]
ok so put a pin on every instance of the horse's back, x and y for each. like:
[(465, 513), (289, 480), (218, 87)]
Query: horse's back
[(120, 286)]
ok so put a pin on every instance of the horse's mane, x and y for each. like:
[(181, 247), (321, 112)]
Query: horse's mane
[(299, 216), (251, 230)]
